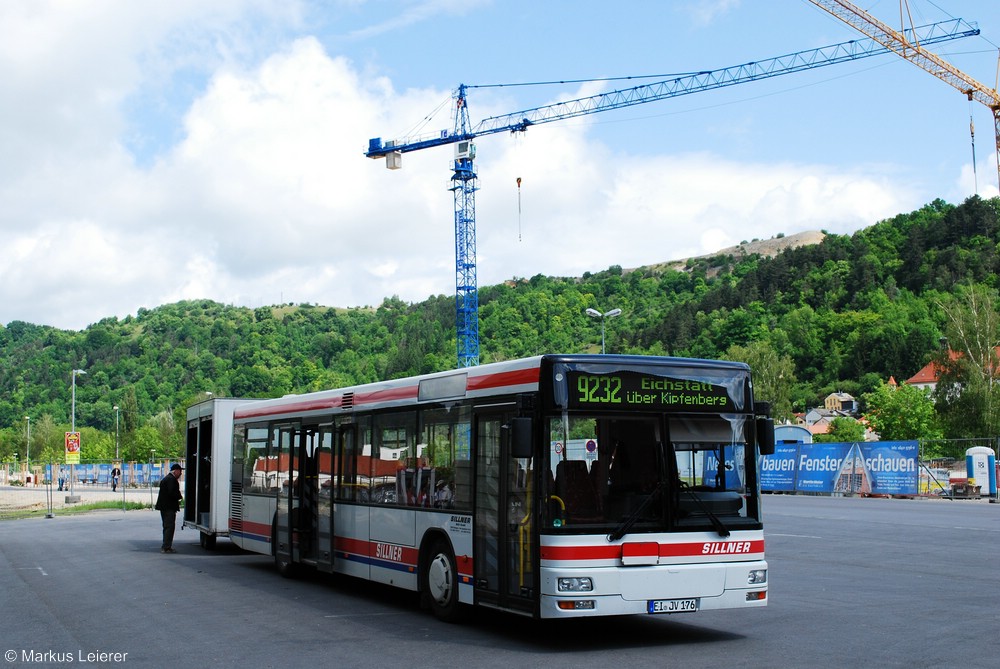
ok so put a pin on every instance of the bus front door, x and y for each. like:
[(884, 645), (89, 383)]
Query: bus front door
[(504, 555)]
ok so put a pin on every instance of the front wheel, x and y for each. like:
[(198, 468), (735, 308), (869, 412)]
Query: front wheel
[(441, 582)]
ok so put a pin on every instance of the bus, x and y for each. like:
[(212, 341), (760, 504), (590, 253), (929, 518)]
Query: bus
[(557, 486)]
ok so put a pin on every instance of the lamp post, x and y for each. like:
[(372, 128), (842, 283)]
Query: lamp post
[(117, 412), (594, 313), (72, 428), (152, 454), (27, 443), (73, 410)]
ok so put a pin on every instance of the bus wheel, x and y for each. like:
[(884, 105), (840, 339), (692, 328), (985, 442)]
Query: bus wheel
[(441, 581), (207, 541), (283, 565)]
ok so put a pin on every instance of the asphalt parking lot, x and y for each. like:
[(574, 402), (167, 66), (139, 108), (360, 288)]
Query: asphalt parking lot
[(853, 582)]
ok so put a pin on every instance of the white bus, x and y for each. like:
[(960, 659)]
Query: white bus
[(558, 486)]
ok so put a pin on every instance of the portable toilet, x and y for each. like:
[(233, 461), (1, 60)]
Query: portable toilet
[(980, 466)]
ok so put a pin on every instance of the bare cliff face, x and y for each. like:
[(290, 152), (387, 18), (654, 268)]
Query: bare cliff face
[(774, 246), (765, 247)]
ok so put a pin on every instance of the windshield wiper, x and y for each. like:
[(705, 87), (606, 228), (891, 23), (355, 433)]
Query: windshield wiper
[(627, 524), (720, 529)]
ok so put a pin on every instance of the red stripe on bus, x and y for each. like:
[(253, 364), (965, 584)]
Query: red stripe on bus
[(640, 549), (386, 395), (255, 411), (248, 527), (348, 545), (408, 555), (518, 377), (612, 552)]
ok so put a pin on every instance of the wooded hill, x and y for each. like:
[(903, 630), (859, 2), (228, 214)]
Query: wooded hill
[(841, 315)]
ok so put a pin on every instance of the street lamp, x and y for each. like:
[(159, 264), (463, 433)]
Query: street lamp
[(73, 417), (27, 443), (72, 428), (594, 313), (116, 431)]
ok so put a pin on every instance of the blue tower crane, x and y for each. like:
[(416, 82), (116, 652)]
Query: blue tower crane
[(462, 134)]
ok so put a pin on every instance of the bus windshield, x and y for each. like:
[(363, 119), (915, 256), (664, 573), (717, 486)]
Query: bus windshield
[(663, 473)]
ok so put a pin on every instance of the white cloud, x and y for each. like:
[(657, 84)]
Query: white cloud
[(704, 12), (267, 197)]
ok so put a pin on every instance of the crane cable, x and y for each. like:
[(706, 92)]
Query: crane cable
[(972, 133)]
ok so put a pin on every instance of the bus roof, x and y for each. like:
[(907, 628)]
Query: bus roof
[(512, 376)]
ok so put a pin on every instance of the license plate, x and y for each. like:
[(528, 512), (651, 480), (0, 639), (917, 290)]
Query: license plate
[(671, 605)]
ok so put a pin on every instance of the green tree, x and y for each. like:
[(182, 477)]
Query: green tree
[(165, 427), (842, 430), (967, 393), (48, 440), (96, 444), (901, 413), (773, 375), (130, 421), (147, 445)]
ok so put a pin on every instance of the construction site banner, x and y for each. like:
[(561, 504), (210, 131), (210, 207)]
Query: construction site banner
[(876, 468)]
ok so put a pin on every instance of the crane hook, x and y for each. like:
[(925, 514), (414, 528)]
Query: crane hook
[(519, 209)]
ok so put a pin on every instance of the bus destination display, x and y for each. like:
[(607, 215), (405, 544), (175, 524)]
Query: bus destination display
[(636, 390)]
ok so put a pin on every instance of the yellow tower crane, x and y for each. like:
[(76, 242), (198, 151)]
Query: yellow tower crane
[(897, 42)]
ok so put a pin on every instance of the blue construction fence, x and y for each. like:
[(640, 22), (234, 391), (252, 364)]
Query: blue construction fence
[(873, 468), (134, 474)]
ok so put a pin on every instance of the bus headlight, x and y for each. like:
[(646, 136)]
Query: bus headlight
[(575, 584), (757, 576)]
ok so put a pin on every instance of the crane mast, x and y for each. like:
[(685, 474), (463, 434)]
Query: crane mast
[(466, 283), (461, 135), (913, 51)]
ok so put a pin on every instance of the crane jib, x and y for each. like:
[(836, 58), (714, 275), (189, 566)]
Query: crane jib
[(464, 184), (676, 86)]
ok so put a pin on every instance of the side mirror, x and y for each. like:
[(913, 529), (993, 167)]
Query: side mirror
[(520, 438), (765, 435)]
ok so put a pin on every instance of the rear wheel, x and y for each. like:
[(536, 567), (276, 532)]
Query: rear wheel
[(207, 541), (282, 564), (441, 582)]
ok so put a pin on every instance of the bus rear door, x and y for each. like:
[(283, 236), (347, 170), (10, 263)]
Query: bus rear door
[(304, 521)]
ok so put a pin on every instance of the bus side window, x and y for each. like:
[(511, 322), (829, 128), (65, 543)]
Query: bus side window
[(395, 441), (446, 483)]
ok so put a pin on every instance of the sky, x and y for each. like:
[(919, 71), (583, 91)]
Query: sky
[(162, 151)]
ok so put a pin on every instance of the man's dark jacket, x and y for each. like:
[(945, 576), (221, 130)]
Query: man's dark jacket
[(169, 497)]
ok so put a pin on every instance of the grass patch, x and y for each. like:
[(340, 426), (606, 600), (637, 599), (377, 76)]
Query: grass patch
[(107, 504), (69, 510)]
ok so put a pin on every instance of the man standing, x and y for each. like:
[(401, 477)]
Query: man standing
[(115, 473), (168, 503)]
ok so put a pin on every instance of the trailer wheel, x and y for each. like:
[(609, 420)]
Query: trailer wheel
[(441, 582)]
